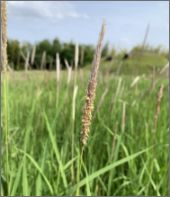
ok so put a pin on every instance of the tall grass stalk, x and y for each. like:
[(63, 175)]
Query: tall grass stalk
[(153, 78), (114, 97), (165, 68), (91, 90), (158, 106), (101, 101), (43, 60), (5, 89), (69, 70), (76, 60), (124, 116), (73, 128), (89, 102), (135, 81), (27, 61), (57, 76), (33, 55)]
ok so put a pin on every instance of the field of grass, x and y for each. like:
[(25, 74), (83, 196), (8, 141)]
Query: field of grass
[(125, 155)]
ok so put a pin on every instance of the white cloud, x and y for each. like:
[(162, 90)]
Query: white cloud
[(43, 10)]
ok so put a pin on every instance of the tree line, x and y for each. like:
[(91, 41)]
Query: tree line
[(42, 55)]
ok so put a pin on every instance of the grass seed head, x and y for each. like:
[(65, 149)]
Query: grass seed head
[(4, 60), (158, 105), (90, 95)]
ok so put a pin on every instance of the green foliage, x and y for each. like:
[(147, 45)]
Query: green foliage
[(17, 54), (105, 50), (88, 54), (56, 47), (44, 45), (13, 51), (68, 52)]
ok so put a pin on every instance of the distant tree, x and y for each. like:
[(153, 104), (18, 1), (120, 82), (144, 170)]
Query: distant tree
[(56, 47), (41, 47), (105, 50), (88, 54), (18, 53), (67, 53), (26, 46), (13, 50), (44, 45)]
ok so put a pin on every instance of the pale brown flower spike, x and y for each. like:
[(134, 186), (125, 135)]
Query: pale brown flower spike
[(158, 105), (4, 61), (90, 95)]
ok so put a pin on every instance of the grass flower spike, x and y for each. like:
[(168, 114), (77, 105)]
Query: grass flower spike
[(90, 95)]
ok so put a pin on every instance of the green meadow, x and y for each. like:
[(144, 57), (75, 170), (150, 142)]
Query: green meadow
[(127, 149)]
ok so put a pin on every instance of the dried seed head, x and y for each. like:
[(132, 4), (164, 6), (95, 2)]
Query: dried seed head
[(57, 67), (158, 105), (90, 96), (76, 58), (4, 61)]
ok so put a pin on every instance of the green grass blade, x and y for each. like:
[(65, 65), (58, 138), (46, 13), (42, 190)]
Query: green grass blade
[(39, 170), (39, 180), (25, 178), (69, 163), (109, 167), (17, 181), (56, 151)]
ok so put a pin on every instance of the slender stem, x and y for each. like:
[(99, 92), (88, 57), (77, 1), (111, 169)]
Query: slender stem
[(5, 87), (5, 126), (73, 127), (79, 169)]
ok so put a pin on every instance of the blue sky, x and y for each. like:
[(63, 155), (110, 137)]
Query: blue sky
[(81, 21)]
